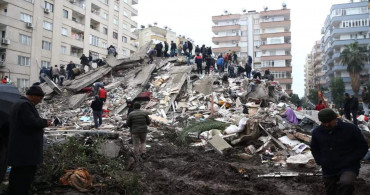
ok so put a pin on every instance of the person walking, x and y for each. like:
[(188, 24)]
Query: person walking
[(151, 54), (70, 67), (338, 148), (347, 106), (199, 61), (365, 100), (90, 61), (25, 140), (102, 94), (62, 75), (248, 70), (138, 120), (165, 54), (97, 107), (55, 73), (220, 64), (354, 109)]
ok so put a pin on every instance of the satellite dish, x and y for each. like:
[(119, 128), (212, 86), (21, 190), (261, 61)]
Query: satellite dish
[(244, 10), (265, 8), (183, 36), (284, 5), (149, 25)]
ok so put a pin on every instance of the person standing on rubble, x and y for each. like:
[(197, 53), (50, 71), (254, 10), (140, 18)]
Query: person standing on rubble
[(347, 106), (84, 62), (138, 121), (199, 61), (354, 109), (338, 147), (235, 58), (97, 86), (365, 100), (151, 54), (179, 49), (97, 107), (319, 106), (62, 75), (55, 73), (102, 94), (173, 48), (70, 67), (165, 54), (226, 60), (190, 47), (159, 48), (248, 70), (25, 140), (197, 50), (208, 64), (220, 64)]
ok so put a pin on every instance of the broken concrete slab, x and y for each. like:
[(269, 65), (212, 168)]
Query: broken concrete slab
[(45, 87), (88, 78), (204, 86), (51, 84), (76, 100), (110, 148), (219, 143)]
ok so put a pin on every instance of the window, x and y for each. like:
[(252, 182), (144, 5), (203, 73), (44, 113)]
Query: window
[(31, 1), (45, 64), (104, 45), (123, 52), (124, 26), (46, 45), (63, 49), (48, 25), (257, 43), (124, 39), (105, 30), (64, 31), (104, 1), (49, 6), (256, 21), (26, 18), (105, 15), (94, 55), (115, 21), (94, 40), (115, 35), (24, 39), (65, 13), (257, 31), (24, 61), (125, 13), (116, 7), (23, 83)]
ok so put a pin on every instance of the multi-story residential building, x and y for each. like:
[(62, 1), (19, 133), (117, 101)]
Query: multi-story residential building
[(345, 24), (318, 72), (38, 33), (264, 36), (155, 34), (308, 75)]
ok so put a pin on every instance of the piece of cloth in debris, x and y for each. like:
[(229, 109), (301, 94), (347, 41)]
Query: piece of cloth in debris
[(290, 116), (78, 178)]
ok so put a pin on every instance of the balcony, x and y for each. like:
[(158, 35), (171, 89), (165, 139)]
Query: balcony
[(338, 19), (225, 28), (283, 57), (335, 56), (278, 69), (215, 19), (132, 10), (347, 42), (79, 6), (284, 23), (285, 46), (285, 80), (225, 39), (349, 30), (275, 12), (226, 49), (279, 34)]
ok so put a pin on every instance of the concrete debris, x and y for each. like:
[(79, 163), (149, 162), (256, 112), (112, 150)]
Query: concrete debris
[(87, 79), (51, 84), (219, 143), (76, 100)]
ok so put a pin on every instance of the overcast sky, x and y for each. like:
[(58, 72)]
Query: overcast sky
[(193, 18)]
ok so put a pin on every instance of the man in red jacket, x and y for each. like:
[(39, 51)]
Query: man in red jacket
[(102, 94), (319, 106)]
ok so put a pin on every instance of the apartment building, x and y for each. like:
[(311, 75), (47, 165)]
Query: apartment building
[(308, 75), (38, 33), (157, 34), (345, 24), (318, 72), (265, 36)]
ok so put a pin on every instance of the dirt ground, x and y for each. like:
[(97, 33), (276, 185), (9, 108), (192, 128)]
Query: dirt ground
[(170, 169)]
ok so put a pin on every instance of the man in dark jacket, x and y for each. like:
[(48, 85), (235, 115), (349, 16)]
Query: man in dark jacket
[(365, 100), (25, 140), (199, 61), (151, 54), (190, 47), (165, 54), (248, 70), (69, 69), (338, 147), (84, 62), (97, 107), (173, 48), (138, 121), (208, 64), (354, 109), (347, 106), (158, 48)]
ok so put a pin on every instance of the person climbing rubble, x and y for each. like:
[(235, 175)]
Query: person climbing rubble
[(97, 86), (97, 107), (198, 61), (338, 147), (138, 120), (102, 94)]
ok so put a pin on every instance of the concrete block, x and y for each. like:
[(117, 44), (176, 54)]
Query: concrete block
[(219, 143), (110, 149), (76, 100)]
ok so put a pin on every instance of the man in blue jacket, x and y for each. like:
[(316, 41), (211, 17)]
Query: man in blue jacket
[(338, 147)]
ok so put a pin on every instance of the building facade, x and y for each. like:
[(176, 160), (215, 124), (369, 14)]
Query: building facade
[(308, 75), (265, 36), (345, 24), (37, 33), (318, 72)]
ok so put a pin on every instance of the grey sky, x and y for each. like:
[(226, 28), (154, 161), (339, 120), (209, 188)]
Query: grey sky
[(193, 18)]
